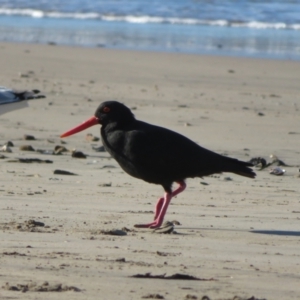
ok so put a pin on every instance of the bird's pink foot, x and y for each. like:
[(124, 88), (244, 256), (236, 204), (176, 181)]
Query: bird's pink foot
[(161, 207), (154, 224)]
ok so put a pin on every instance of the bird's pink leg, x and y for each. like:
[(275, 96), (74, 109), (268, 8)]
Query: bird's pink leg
[(162, 206), (158, 207), (160, 201), (181, 188)]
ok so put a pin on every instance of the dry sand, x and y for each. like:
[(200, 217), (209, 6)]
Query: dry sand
[(242, 234)]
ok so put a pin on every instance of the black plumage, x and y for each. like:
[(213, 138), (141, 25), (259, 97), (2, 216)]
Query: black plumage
[(156, 154)]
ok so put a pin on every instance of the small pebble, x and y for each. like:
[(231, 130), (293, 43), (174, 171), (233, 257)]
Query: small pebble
[(6, 149), (28, 137), (26, 148), (63, 172), (118, 232), (78, 154), (277, 171), (9, 144), (59, 150), (91, 138), (99, 149)]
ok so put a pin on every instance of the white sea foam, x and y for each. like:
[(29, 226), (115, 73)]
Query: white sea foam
[(144, 19), (263, 25), (82, 16), (22, 12)]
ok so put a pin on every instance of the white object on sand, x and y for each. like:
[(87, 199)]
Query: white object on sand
[(15, 99), (277, 171)]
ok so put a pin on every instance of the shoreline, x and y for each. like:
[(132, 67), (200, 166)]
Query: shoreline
[(194, 39), (208, 53), (239, 235)]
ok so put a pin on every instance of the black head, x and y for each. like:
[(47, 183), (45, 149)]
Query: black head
[(109, 112), (113, 112)]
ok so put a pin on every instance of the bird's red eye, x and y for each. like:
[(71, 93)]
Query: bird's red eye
[(106, 109)]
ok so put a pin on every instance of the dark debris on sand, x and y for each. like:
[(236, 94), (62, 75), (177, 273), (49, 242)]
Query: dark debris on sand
[(63, 172), (116, 232), (35, 287), (28, 226), (176, 276), (153, 296), (31, 160), (261, 163), (234, 298)]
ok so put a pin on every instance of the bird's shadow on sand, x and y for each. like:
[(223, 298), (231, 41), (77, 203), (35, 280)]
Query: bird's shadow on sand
[(277, 232), (269, 232)]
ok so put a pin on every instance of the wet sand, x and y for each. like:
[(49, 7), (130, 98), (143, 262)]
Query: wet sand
[(240, 236)]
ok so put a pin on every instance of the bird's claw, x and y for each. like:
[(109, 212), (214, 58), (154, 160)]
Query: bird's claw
[(152, 225)]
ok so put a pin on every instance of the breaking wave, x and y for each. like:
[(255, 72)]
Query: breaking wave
[(144, 19)]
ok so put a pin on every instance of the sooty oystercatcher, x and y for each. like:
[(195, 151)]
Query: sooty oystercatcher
[(156, 154)]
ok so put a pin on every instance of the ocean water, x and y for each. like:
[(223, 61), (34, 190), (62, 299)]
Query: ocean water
[(259, 28)]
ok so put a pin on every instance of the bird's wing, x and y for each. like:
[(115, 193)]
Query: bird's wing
[(163, 151)]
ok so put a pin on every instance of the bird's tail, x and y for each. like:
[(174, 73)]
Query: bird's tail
[(240, 168)]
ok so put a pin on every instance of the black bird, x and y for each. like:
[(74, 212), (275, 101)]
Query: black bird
[(156, 154), (11, 99)]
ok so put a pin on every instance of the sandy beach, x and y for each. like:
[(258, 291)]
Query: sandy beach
[(239, 237)]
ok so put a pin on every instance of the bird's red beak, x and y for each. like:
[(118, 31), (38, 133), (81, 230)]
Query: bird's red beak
[(88, 123)]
